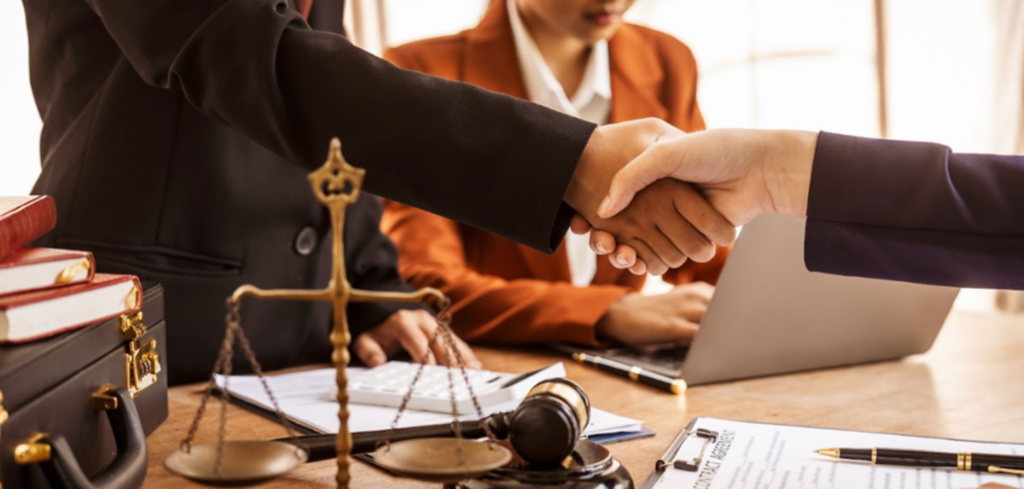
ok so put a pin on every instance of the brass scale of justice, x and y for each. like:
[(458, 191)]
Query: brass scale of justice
[(336, 184)]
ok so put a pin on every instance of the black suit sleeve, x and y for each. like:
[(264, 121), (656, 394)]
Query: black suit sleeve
[(372, 264), (481, 158)]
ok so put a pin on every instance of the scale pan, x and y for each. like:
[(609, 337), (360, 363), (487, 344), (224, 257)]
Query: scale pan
[(437, 459), (244, 461)]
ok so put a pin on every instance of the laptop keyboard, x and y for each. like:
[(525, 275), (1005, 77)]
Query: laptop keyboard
[(668, 358)]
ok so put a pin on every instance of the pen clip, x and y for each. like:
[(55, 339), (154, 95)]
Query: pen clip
[(995, 469), (709, 438)]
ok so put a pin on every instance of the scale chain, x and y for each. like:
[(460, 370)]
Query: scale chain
[(223, 366), (450, 350), (223, 356)]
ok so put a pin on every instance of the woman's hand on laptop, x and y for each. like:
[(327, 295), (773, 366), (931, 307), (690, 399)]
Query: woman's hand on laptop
[(409, 330), (672, 317)]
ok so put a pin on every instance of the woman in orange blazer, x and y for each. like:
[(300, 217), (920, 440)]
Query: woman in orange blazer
[(579, 57)]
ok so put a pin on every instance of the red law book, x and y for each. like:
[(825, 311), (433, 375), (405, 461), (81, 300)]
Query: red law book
[(34, 315), (43, 268), (23, 219)]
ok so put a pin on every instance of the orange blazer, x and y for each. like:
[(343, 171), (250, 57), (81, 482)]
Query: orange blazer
[(504, 292)]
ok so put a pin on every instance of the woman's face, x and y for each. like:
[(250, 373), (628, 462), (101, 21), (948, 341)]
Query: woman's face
[(586, 20)]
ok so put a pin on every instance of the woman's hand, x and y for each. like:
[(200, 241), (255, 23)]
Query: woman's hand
[(672, 317), (408, 330)]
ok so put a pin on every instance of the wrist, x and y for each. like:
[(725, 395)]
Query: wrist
[(581, 194), (788, 161), (607, 327)]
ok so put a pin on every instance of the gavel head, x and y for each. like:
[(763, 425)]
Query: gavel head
[(544, 429)]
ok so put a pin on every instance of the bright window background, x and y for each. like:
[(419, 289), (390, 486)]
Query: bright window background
[(807, 64), (19, 120), (801, 64)]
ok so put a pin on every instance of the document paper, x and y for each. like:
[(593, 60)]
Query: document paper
[(307, 399), (766, 456)]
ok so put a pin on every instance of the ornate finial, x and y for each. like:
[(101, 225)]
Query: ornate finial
[(336, 181)]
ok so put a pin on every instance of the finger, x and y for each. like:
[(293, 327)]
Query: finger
[(703, 216), (638, 268), (644, 252), (601, 242), (688, 242), (467, 354), (644, 170), (579, 225), (702, 290), (693, 311), (428, 326), (414, 341), (623, 257), (369, 351), (671, 254)]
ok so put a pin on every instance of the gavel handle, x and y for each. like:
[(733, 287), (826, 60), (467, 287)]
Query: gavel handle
[(321, 447)]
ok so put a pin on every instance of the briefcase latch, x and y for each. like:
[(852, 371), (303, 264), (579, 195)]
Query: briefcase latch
[(142, 362)]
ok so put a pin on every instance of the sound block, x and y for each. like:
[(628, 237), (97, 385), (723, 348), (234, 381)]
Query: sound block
[(590, 466)]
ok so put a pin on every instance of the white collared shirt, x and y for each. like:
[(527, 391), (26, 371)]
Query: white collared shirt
[(592, 102)]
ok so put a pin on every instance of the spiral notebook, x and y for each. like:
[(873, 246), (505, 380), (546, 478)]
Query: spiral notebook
[(718, 454)]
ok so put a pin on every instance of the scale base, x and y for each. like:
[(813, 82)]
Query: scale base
[(441, 459), (243, 462), (590, 466)]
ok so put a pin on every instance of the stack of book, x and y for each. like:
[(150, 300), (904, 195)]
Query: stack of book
[(47, 291)]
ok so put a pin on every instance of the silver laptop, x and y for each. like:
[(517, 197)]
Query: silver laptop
[(769, 315)]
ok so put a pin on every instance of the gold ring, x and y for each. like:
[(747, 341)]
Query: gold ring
[(874, 455)]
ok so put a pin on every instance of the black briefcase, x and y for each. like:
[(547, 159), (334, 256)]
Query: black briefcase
[(79, 405)]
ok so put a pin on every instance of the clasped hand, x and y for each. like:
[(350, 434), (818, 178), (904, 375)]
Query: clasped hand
[(648, 220), (667, 222)]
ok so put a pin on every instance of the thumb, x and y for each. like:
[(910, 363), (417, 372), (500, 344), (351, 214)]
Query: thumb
[(369, 351), (651, 166)]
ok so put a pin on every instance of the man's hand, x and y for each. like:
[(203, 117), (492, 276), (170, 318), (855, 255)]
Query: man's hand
[(742, 173), (408, 330), (669, 222), (672, 317)]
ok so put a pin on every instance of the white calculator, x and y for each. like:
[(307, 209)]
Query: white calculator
[(387, 384)]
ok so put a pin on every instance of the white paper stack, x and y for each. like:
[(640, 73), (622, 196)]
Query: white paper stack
[(307, 399)]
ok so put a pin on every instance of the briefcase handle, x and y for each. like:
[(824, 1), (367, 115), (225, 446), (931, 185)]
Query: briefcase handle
[(127, 471)]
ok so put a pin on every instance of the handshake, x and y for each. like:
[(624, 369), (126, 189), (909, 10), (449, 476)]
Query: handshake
[(655, 197)]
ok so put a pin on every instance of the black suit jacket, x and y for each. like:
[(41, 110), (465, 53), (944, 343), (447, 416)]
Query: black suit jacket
[(177, 137)]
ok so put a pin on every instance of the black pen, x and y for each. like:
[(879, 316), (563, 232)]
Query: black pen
[(632, 372), (965, 461)]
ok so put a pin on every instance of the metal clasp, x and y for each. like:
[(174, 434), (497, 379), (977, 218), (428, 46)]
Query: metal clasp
[(102, 400), (709, 438), (142, 362), (32, 451)]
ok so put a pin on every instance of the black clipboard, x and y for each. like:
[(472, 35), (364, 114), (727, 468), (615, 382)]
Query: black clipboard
[(667, 460)]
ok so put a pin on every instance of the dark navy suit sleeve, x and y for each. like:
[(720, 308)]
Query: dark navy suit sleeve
[(915, 212)]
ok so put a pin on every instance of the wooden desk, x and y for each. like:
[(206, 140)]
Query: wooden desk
[(971, 385)]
